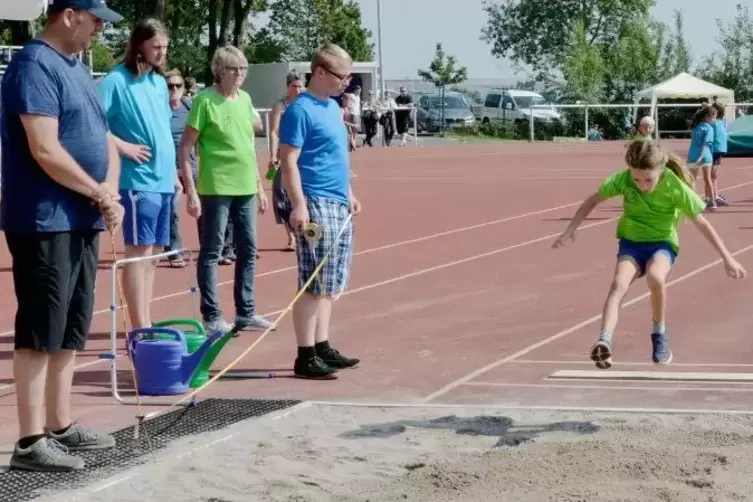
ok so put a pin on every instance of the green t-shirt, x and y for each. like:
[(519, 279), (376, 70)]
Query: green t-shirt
[(652, 216), (642, 137), (227, 153)]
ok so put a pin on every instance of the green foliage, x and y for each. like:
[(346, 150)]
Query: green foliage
[(518, 130), (444, 70), (732, 67), (584, 69), (538, 33), (297, 27), (677, 56), (197, 27), (102, 57)]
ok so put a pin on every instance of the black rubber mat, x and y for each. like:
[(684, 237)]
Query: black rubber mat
[(205, 416)]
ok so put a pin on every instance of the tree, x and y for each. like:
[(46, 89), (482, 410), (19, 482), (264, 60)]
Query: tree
[(537, 33), (732, 67), (677, 57), (583, 69), (443, 72), (297, 27)]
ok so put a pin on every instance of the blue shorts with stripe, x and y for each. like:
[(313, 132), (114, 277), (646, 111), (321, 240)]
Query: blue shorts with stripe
[(147, 217), (330, 215)]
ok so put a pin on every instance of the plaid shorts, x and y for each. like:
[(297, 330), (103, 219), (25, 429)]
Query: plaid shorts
[(333, 277)]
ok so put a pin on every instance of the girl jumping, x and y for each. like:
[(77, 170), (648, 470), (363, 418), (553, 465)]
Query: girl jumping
[(657, 191)]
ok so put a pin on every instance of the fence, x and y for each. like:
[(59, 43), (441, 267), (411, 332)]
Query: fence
[(588, 115)]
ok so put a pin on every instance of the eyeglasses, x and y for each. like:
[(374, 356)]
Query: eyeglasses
[(237, 69), (171, 86), (345, 79)]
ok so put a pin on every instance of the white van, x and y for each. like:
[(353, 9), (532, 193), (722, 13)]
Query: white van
[(511, 105)]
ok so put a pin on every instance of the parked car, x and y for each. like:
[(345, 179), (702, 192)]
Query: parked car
[(453, 107), (514, 105)]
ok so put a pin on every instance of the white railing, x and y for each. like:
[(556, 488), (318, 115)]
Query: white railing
[(730, 113)]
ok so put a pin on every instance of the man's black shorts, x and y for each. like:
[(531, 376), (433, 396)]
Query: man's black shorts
[(54, 274)]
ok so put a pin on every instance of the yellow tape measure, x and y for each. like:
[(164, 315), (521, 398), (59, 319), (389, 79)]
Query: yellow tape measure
[(312, 232)]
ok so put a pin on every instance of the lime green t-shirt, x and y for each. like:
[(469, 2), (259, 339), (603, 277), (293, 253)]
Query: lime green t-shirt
[(642, 137), (652, 216), (227, 153)]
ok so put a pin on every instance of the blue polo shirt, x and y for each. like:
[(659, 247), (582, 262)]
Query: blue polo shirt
[(41, 81), (138, 112), (316, 127)]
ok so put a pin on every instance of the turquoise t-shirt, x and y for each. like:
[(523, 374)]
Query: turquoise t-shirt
[(720, 136), (138, 112), (701, 139), (652, 216)]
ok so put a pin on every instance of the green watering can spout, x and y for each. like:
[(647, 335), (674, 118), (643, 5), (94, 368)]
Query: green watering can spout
[(196, 339)]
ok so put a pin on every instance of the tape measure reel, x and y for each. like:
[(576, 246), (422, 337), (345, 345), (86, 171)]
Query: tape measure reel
[(312, 232)]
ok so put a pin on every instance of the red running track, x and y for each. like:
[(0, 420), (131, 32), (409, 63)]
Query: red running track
[(457, 298)]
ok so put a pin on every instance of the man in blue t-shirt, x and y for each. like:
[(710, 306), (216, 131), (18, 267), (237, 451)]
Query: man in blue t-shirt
[(60, 170), (135, 99), (316, 174)]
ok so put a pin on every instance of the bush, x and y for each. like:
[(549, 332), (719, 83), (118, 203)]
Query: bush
[(518, 130)]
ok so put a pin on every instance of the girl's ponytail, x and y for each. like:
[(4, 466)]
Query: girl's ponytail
[(677, 166)]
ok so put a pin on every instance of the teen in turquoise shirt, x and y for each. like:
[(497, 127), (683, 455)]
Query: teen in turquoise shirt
[(138, 112)]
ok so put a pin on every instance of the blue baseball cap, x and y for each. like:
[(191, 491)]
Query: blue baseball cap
[(96, 7)]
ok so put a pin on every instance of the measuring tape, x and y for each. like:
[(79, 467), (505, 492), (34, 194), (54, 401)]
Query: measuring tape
[(313, 233)]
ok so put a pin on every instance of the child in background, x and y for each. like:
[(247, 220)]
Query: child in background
[(700, 152), (657, 191), (719, 148), (645, 129)]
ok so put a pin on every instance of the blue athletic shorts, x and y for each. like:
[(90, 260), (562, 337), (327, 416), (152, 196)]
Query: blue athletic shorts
[(147, 217), (642, 252)]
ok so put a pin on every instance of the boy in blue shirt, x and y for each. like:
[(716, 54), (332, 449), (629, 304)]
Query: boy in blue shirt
[(316, 174)]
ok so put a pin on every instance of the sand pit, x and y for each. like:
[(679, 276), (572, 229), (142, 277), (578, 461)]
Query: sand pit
[(323, 453)]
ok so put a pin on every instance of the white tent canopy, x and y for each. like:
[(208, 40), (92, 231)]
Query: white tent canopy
[(22, 10), (684, 86)]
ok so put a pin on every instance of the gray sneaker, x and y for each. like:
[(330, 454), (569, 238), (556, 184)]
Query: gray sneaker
[(46, 455), (80, 438), (254, 323), (217, 325)]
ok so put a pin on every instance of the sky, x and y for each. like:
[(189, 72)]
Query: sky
[(412, 28)]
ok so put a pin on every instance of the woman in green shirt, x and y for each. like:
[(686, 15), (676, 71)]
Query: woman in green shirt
[(222, 123), (657, 191)]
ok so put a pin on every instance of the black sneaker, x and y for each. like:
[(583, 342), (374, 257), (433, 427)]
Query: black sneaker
[(333, 358), (46, 455), (313, 368)]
